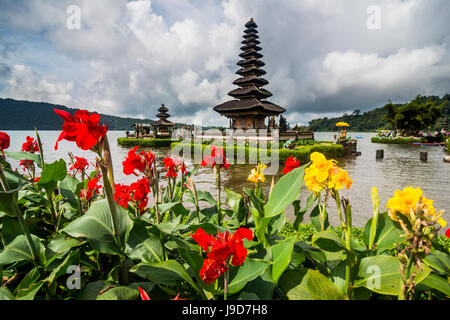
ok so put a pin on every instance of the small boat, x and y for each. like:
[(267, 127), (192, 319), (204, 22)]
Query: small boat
[(359, 137), (434, 144)]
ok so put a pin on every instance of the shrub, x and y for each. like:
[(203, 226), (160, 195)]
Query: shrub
[(144, 142)]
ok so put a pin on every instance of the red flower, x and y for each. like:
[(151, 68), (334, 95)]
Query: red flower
[(217, 157), (133, 162), (220, 249), (30, 146), (149, 160), (137, 192), (37, 179), (177, 297), (4, 141), (290, 164), (80, 164), (91, 190), (83, 128), (27, 164), (173, 165), (144, 295), (447, 233)]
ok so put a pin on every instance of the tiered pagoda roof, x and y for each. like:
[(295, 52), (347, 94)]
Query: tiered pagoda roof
[(163, 115), (250, 95)]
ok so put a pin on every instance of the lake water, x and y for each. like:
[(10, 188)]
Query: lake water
[(400, 168)]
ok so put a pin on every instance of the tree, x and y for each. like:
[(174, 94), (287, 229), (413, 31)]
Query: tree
[(419, 114)]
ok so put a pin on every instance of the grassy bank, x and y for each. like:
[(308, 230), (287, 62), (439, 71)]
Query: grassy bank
[(395, 140), (144, 142), (302, 153)]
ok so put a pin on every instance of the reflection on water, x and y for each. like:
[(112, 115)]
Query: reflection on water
[(400, 168)]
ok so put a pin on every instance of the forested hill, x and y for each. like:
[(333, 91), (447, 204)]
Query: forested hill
[(374, 119), (26, 115)]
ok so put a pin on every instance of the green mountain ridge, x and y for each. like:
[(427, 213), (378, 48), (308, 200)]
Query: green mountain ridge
[(374, 119), (26, 115)]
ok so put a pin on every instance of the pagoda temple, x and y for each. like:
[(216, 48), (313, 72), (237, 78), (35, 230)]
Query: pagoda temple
[(163, 127), (250, 107)]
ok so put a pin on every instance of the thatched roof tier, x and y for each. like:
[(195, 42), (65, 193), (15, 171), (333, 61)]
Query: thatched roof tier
[(251, 54), (250, 40), (251, 24), (163, 115), (251, 46), (251, 31), (251, 70), (251, 36), (234, 107), (163, 109), (163, 122), (251, 61), (251, 91), (251, 79)]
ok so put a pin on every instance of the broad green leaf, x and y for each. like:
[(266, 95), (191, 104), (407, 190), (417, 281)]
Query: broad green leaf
[(28, 280), (59, 267), (308, 284), (19, 250), (438, 283), (387, 234), (52, 174), (22, 155), (300, 213), (119, 293), (259, 289), (195, 261), (143, 245), (166, 273), (70, 187), (285, 191), (316, 219), (30, 292), (8, 202), (281, 255), (60, 246), (15, 179), (5, 294), (328, 241), (438, 260), (236, 203), (206, 196), (96, 225), (248, 271)]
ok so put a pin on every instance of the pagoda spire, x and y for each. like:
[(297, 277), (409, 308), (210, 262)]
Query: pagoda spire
[(250, 92)]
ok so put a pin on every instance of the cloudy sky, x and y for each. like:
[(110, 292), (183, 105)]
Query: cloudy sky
[(323, 57)]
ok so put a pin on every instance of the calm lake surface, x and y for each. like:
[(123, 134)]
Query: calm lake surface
[(400, 168)]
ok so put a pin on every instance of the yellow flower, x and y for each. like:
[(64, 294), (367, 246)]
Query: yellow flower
[(257, 174), (405, 201), (323, 173)]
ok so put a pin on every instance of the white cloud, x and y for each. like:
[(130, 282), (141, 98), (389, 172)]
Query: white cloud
[(24, 84)]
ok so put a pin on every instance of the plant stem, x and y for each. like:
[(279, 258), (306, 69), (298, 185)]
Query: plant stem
[(225, 284), (348, 246), (404, 292), (219, 211), (52, 205)]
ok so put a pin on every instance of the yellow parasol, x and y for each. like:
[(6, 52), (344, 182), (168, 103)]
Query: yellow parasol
[(342, 124)]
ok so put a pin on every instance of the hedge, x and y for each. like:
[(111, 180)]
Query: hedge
[(395, 140), (301, 153), (144, 142)]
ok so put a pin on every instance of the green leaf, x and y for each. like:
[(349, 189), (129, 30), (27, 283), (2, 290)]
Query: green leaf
[(19, 250), (166, 273), (22, 155), (206, 196), (248, 271), (96, 225), (70, 188), (5, 294), (30, 292), (281, 255), (119, 293), (315, 219), (387, 234), (236, 203), (328, 241), (300, 213), (143, 245), (52, 174), (438, 283), (8, 201), (439, 261), (285, 191), (380, 274), (308, 284)]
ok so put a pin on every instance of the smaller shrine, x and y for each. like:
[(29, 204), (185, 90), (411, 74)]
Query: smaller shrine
[(162, 128)]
